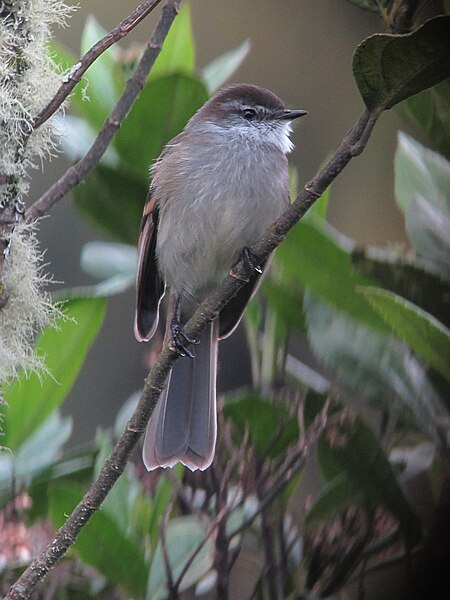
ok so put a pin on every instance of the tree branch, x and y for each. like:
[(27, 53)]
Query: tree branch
[(352, 145), (75, 174), (76, 73)]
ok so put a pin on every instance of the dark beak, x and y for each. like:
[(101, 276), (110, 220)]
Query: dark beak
[(290, 115)]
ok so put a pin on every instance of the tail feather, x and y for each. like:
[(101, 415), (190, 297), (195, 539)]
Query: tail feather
[(183, 426)]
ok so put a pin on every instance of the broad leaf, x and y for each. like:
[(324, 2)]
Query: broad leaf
[(113, 200), (182, 536), (38, 452), (101, 88), (78, 136), (373, 364), (319, 209), (269, 425), (420, 172), (317, 257), (178, 51), (287, 302), (429, 111), (73, 467), (219, 70), (406, 277), (116, 263), (389, 68), (30, 400), (105, 259), (161, 112), (424, 334), (159, 503), (428, 229), (102, 544), (422, 190)]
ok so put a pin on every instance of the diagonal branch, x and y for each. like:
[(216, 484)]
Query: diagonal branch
[(352, 145), (76, 73), (76, 173)]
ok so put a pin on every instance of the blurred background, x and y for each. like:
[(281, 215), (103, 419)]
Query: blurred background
[(300, 49)]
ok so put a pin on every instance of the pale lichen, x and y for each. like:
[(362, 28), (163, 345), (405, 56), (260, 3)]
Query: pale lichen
[(28, 81), (27, 308)]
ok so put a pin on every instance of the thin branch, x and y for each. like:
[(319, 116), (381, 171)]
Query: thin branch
[(75, 174), (76, 73), (352, 145), (293, 468), (117, 461)]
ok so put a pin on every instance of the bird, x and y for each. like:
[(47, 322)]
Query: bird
[(215, 189)]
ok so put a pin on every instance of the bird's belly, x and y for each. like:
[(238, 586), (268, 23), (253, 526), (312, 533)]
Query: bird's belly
[(202, 234)]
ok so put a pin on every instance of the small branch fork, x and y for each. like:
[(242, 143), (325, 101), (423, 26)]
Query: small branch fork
[(77, 72), (352, 145), (75, 174)]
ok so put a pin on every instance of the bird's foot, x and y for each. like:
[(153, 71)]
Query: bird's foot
[(180, 341), (251, 263)]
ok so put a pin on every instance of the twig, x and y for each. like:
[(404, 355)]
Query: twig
[(351, 146), (75, 74), (117, 461), (292, 468), (75, 174)]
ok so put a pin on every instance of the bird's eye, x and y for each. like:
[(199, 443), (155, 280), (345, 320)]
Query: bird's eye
[(249, 113)]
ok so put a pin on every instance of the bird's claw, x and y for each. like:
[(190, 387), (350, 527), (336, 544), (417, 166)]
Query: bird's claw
[(181, 341), (250, 260)]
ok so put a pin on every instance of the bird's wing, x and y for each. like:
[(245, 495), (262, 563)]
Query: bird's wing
[(231, 313), (149, 285)]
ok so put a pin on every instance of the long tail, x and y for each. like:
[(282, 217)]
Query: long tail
[(183, 426)]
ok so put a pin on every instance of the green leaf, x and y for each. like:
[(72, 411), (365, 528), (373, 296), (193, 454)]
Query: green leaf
[(315, 256), (374, 365), (73, 467), (428, 229), (78, 136), (362, 460), (178, 51), (420, 172), (63, 58), (429, 112), (389, 68), (286, 301), (269, 425), (422, 190), (102, 544), (126, 504), (160, 501), (161, 112), (219, 70), (30, 400), (113, 200), (424, 334), (37, 453), (338, 494), (183, 535), (105, 259), (319, 209), (101, 87), (404, 276)]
